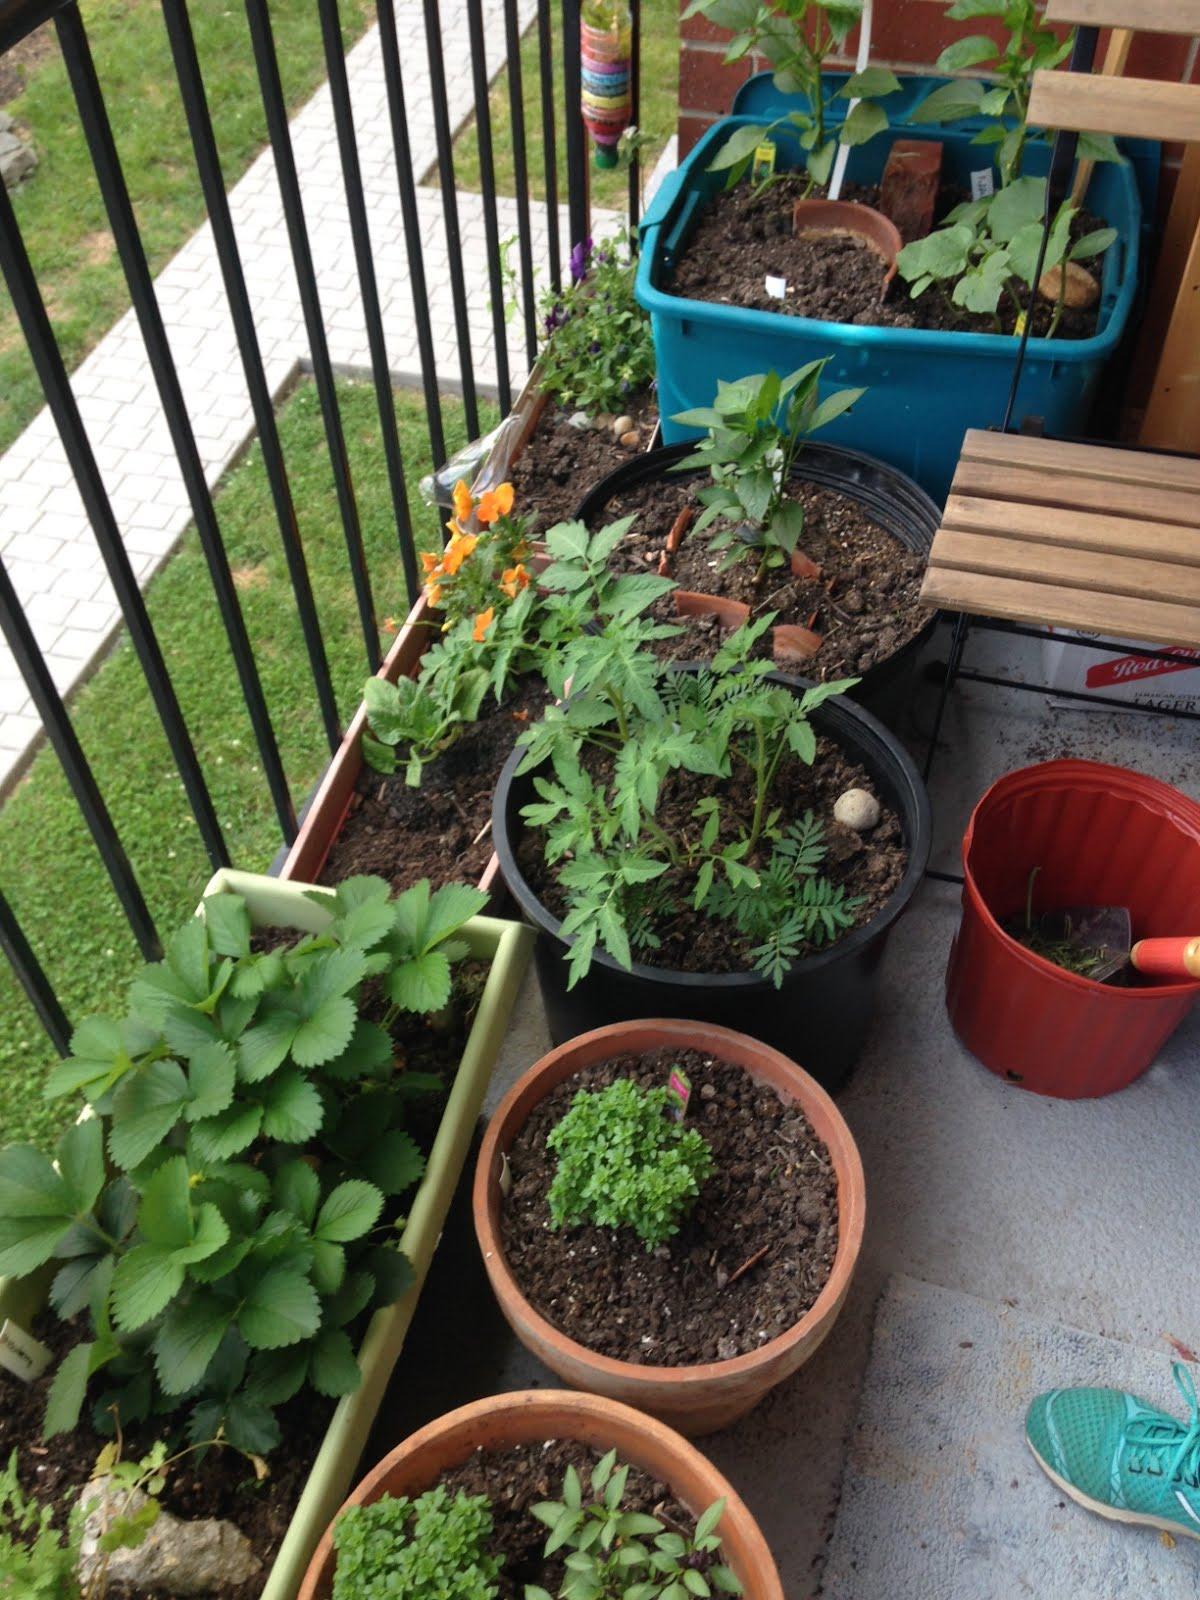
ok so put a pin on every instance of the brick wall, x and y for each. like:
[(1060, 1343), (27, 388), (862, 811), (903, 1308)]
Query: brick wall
[(907, 35)]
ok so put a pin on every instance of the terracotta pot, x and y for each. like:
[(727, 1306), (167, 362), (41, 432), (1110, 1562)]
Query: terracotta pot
[(848, 216), (533, 1415), (710, 1395)]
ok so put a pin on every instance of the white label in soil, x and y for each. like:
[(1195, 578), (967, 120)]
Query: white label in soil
[(983, 185), (21, 1354), (775, 287)]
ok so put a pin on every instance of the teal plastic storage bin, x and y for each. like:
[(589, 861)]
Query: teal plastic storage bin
[(926, 388)]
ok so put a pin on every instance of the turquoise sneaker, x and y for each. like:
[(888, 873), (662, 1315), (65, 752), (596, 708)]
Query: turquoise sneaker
[(1120, 1457)]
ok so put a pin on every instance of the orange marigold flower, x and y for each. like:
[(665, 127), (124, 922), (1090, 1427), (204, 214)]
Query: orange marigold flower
[(433, 594), (513, 580), (430, 561), (495, 503), (457, 551), (462, 500), (482, 623)]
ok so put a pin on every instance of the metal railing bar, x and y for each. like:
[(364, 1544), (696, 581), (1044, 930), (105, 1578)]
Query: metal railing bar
[(576, 141), (271, 88), (212, 183), (56, 385), (385, 399), (445, 155), (97, 129), (635, 110), (33, 980), (487, 183), (402, 148), (61, 732), (549, 138), (516, 100), (20, 18)]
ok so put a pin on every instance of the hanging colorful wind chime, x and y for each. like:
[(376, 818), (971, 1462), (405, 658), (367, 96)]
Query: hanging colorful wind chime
[(605, 48)]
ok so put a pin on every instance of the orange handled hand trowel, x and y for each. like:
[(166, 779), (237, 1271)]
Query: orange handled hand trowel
[(1100, 940)]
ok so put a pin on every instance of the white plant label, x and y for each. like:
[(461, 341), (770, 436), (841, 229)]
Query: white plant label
[(983, 185), (505, 1175), (21, 1354), (775, 287)]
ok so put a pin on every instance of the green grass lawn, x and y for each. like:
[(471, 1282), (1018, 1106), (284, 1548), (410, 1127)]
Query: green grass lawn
[(60, 210), (53, 875), (659, 96)]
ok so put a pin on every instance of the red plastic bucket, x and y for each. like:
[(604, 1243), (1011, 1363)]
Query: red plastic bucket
[(1101, 836)]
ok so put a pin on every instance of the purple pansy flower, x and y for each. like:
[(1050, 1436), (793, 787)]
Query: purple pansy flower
[(579, 260)]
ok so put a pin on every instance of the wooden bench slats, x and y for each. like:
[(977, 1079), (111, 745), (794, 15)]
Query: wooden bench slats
[(1084, 460), (1074, 530), (1076, 569), (1147, 16), (1042, 604), (1039, 487), (1138, 108), (1071, 536)]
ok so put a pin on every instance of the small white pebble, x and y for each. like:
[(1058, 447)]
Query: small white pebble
[(580, 420), (857, 809)]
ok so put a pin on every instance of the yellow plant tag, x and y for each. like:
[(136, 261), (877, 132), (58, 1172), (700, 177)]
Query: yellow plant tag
[(1019, 328), (764, 161)]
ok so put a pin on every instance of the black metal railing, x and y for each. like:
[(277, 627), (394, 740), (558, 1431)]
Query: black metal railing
[(18, 18)]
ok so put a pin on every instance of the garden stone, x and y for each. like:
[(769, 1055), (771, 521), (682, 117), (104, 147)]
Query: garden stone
[(580, 420), (17, 159), (629, 440), (622, 425), (857, 809), (177, 1556), (1082, 289)]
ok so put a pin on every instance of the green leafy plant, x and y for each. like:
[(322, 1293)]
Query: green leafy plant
[(990, 246), (624, 1163), (750, 453), (254, 1119), (598, 351), (421, 718), (607, 1556), (623, 874), (1004, 102), (435, 1545), (797, 37)]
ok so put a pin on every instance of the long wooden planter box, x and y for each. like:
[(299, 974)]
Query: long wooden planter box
[(506, 945)]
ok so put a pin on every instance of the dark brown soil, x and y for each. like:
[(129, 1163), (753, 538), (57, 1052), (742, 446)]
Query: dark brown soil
[(772, 1195), (865, 605), (869, 866), (436, 831), (17, 64), (743, 237), (515, 1479), (561, 463)]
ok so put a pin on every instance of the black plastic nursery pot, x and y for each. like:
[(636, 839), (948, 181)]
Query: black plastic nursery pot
[(821, 1014), (899, 506)]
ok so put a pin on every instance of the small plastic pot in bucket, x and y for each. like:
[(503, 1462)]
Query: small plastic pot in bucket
[(1098, 836)]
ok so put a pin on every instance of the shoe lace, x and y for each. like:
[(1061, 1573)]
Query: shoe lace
[(1166, 1448)]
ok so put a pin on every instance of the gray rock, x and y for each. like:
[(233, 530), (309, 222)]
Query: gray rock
[(17, 159), (580, 420), (177, 1556)]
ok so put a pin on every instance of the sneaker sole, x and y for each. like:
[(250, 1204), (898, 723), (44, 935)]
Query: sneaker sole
[(1131, 1518)]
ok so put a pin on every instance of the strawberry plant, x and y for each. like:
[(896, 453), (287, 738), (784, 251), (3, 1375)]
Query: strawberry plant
[(219, 1215)]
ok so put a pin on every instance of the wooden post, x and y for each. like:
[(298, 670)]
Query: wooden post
[(1172, 419), (1115, 58)]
